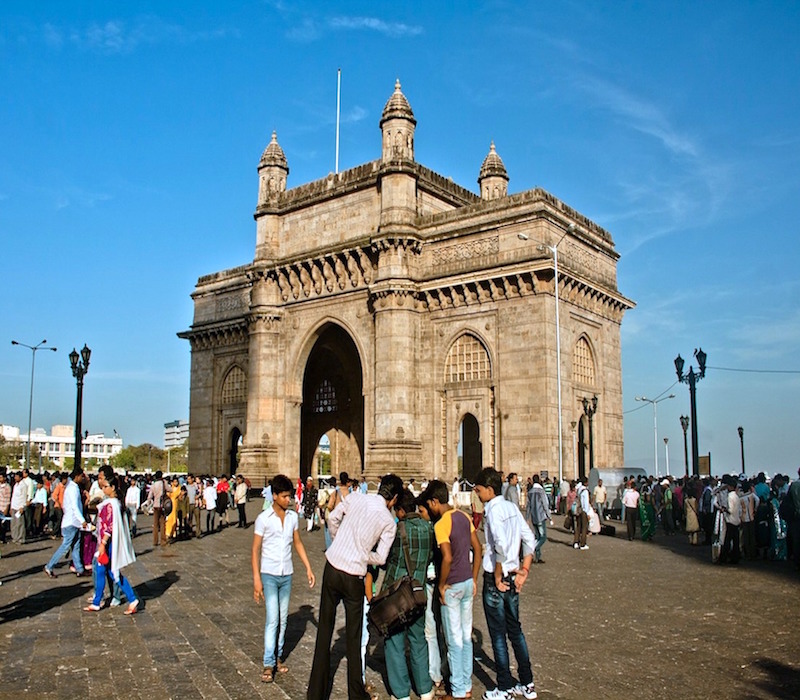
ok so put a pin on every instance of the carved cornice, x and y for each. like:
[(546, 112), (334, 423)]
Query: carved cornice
[(216, 335), (268, 321), (465, 250), (480, 291)]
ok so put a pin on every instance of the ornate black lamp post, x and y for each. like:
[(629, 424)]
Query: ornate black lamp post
[(685, 425), (80, 366), (590, 408), (741, 440), (691, 379)]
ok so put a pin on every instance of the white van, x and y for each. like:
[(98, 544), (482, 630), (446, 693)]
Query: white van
[(613, 479)]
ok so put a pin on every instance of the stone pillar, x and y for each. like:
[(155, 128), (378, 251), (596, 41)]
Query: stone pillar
[(263, 441)]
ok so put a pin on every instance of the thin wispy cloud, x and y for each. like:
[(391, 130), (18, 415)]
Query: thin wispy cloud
[(119, 37), (76, 196), (639, 114), (394, 30)]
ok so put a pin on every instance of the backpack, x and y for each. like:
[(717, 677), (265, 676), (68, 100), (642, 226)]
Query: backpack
[(166, 501), (577, 508)]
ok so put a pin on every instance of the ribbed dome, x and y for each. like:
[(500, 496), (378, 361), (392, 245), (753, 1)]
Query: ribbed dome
[(273, 154), (493, 165), (397, 106)]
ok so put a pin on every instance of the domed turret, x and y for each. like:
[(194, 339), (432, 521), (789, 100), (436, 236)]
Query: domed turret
[(273, 169), (397, 125), (493, 178)]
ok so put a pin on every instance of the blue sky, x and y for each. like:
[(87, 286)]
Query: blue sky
[(130, 135)]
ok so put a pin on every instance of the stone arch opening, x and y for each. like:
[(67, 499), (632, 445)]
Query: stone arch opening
[(470, 449), (333, 404), (235, 444)]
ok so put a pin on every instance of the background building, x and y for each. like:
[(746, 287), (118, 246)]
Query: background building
[(176, 432), (60, 444), (408, 320)]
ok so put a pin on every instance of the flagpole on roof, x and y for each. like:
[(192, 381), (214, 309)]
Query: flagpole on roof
[(338, 111)]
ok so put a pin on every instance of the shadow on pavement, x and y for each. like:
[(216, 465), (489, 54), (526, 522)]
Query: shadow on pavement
[(156, 587), (23, 551), (784, 681), (296, 626), (43, 601)]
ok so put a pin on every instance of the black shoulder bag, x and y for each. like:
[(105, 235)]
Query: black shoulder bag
[(403, 602)]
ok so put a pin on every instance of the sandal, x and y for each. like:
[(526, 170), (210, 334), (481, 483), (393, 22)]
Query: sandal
[(132, 608), (92, 608), (266, 675), (439, 689), (281, 667)]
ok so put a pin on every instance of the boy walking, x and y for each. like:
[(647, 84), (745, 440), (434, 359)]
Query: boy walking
[(275, 533), (503, 578)]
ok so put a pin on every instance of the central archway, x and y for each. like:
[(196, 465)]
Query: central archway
[(333, 403), (470, 448)]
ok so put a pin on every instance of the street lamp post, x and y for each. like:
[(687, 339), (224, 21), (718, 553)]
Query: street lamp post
[(741, 440), (590, 408), (666, 456), (685, 425), (554, 250), (33, 349), (80, 366), (691, 379), (655, 403)]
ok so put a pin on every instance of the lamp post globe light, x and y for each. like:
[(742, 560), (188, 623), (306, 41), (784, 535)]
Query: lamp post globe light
[(740, 430), (80, 366), (691, 379), (655, 403), (685, 426), (33, 349)]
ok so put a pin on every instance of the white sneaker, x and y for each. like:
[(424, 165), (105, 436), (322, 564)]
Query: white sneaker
[(586, 546), (526, 691), (497, 694), (575, 545), (115, 602)]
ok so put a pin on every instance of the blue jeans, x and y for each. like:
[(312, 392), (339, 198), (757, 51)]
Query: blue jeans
[(71, 538), (502, 619), (540, 531), (100, 573), (457, 622), (397, 664), (276, 600)]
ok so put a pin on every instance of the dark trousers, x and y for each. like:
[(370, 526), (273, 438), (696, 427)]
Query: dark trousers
[(707, 524), (159, 526), (581, 529), (730, 548), (630, 521), (502, 619), (242, 515), (338, 586)]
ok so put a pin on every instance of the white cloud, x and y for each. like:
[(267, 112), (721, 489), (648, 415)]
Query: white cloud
[(391, 29)]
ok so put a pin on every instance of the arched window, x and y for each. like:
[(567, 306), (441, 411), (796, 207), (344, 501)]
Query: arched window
[(234, 388), (324, 398), (583, 363), (467, 361)]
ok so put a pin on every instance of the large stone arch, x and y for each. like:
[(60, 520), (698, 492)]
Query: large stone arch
[(231, 418), (332, 402)]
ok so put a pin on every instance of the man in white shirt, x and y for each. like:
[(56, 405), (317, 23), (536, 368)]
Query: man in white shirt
[(599, 497), (503, 577), (730, 549), (275, 533), (72, 522), (363, 530), (19, 504)]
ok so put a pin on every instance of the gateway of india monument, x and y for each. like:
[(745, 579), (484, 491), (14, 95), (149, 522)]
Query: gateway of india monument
[(412, 322)]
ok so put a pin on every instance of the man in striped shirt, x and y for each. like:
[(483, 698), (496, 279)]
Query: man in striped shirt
[(363, 529)]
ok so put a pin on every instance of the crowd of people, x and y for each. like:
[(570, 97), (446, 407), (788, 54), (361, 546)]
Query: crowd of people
[(371, 548)]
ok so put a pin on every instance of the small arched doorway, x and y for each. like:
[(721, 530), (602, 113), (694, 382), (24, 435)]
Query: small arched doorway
[(470, 450), (333, 404), (233, 452)]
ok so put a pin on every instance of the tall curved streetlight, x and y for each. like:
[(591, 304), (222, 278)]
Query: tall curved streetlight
[(80, 366), (33, 349), (691, 378), (655, 403)]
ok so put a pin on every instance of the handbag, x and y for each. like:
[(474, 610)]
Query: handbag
[(716, 550), (403, 602)]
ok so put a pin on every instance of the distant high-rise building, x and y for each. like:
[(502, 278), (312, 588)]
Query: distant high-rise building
[(176, 432)]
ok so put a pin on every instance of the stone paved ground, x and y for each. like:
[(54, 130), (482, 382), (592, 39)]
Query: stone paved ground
[(622, 620)]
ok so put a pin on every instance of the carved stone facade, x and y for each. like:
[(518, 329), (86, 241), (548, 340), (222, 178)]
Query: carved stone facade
[(399, 313)]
